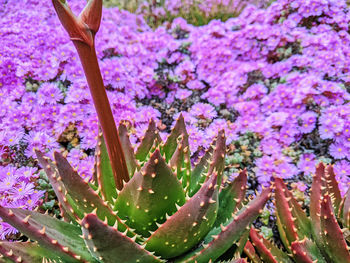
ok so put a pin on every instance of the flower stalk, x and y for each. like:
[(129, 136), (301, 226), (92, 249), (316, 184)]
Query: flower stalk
[(82, 31)]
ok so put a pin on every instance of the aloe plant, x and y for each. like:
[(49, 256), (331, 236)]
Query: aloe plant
[(319, 237), (144, 205)]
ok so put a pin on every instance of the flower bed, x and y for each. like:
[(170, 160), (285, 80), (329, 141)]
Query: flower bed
[(276, 79)]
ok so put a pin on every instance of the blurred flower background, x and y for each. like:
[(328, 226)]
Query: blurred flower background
[(274, 75)]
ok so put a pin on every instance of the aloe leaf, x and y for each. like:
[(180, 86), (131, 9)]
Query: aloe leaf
[(53, 234), (181, 163), (127, 149), (315, 197), (147, 141), (235, 249), (292, 217), (51, 171), (218, 161), (188, 225), (333, 187), (251, 253), (111, 246), (26, 252), (216, 244), (305, 251), (104, 172), (300, 219), (85, 199), (334, 242), (150, 195), (268, 252), (345, 209), (5, 260), (230, 198), (286, 222), (242, 241), (199, 172), (171, 143), (238, 260)]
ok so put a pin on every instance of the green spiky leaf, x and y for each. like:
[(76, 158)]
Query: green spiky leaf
[(58, 236), (26, 252), (103, 169), (128, 150), (150, 195), (151, 136), (333, 239), (218, 160), (188, 225), (305, 251), (216, 244), (199, 172), (251, 253), (170, 145), (181, 163), (57, 185), (111, 246), (230, 198), (333, 187)]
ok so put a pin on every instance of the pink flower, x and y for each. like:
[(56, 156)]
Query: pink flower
[(339, 151)]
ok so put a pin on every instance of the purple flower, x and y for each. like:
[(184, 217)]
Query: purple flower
[(255, 91), (308, 122), (195, 85), (203, 111), (339, 151), (286, 170), (49, 93), (182, 94), (215, 96), (342, 172), (185, 70), (300, 186), (307, 163), (270, 146), (6, 230), (277, 118), (22, 190)]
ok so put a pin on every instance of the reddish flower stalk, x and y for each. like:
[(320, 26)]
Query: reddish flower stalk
[(82, 31)]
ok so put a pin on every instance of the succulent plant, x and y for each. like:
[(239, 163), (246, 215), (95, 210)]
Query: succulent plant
[(147, 205), (314, 238)]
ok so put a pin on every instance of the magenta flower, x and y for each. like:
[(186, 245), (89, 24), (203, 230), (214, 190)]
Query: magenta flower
[(203, 111), (339, 151), (49, 93), (182, 94), (255, 91), (307, 163), (342, 172), (270, 146), (308, 122), (195, 85)]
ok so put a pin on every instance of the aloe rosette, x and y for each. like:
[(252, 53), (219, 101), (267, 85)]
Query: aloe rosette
[(319, 237), (144, 205)]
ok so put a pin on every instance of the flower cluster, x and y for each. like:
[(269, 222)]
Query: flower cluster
[(281, 73), (17, 189)]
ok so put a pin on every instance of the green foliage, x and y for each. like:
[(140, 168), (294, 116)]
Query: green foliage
[(191, 11), (153, 213), (320, 237)]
